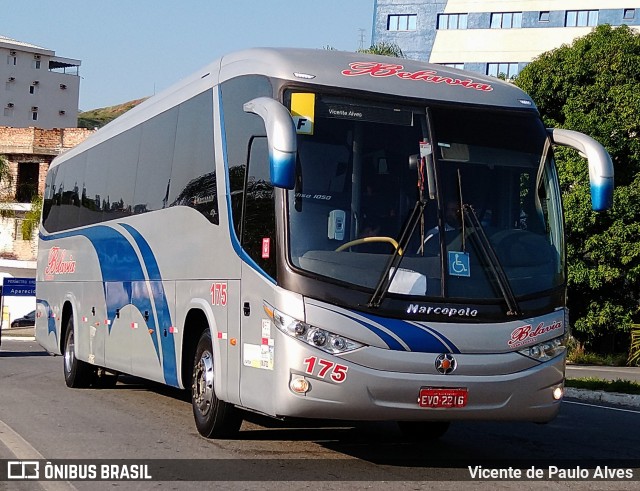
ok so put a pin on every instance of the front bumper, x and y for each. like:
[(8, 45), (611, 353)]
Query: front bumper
[(345, 390)]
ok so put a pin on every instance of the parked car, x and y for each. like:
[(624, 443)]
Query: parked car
[(27, 320)]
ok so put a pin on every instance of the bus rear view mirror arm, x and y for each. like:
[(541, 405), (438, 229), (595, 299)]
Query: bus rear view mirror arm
[(281, 135), (600, 165)]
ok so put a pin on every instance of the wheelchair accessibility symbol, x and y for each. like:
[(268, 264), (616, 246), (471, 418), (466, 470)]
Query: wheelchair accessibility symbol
[(459, 264)]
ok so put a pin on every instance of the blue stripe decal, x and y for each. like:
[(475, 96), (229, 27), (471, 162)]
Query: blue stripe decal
[(119, 265), (51, 321), (391, 342), (417, 339), (161, 304)]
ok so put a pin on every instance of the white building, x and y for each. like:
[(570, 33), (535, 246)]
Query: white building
[(37, 88), (492, 36)]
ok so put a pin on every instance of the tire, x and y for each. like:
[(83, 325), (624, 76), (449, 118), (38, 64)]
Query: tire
[(423, 430), (214, 418), (77, 374)]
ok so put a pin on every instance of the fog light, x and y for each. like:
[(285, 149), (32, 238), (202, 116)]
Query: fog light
[(299, 385), (558, 393)]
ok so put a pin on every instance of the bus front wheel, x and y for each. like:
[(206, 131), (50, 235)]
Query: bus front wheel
[(77, 373), (214, 418)]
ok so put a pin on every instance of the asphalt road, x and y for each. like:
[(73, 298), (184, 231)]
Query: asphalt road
[(137, 420)]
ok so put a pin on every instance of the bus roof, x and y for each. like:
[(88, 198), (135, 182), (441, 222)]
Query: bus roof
[(372, 73)]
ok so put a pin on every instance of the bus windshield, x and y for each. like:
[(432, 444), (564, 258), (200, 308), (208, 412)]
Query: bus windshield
[(493, 222)]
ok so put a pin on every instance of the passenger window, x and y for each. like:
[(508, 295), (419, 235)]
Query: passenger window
[(154, 163), (193, 176)]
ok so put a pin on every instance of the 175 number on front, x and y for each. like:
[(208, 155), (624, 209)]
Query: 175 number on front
[(322, 368)]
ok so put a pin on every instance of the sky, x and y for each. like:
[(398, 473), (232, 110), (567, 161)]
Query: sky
[(131, 49)]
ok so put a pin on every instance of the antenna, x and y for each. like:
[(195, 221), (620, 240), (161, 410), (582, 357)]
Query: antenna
[(362, 33)]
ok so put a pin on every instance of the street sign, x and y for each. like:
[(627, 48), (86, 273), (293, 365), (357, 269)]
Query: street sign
[(19, 287)]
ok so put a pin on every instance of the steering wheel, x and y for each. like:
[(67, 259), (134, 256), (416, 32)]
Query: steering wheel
[(363, 240)]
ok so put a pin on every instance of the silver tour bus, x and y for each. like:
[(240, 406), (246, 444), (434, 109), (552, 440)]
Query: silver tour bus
[(318, 234)]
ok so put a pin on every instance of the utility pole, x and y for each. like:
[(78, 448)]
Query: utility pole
[(362, 33)]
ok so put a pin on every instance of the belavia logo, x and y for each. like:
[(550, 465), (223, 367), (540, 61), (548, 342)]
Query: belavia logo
[(527, 334), (58, 263), (374, 69)]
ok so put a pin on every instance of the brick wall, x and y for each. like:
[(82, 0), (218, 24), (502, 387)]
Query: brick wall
[(30, 145), (39, 141)]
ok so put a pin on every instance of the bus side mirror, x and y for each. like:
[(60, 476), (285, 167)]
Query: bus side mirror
[(600, 165), (281, 137)]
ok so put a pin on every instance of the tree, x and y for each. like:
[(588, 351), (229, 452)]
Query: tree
[(32, 218), (593, 86), (386, 49), (5, 187)]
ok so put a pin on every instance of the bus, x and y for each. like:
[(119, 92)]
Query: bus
[(318, 234)]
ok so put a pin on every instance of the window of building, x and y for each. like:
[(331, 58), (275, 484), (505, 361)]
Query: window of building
[(36, 64), (452, 21), (459, 66), (12, 60), (544, 16), (27, 181), (506, 20), (581, 18), (34, 115), (402, 22), (32, 89), (506, 70), (629, 14)]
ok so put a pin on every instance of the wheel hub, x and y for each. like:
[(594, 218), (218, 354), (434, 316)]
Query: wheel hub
[(203, 383), (69, 353)]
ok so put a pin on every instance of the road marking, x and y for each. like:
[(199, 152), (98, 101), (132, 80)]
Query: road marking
[(635, 411), (23, 450)]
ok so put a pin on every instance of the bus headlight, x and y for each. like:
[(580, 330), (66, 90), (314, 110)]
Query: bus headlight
[(314, 336), (546, 350)]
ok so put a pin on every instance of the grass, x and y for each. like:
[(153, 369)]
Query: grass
[(97, 118), (619, 385), (579, 357)]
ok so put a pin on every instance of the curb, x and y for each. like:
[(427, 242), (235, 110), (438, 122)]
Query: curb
[(626, 400)]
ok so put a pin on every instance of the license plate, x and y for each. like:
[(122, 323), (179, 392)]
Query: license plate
[(443, 397)]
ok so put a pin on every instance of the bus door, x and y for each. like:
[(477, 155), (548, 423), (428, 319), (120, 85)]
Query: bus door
[(258, 240)]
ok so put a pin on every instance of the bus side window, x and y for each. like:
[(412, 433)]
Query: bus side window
[(259, 222)]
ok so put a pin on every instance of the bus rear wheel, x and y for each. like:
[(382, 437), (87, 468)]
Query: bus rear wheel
[(423, 430), (77, 373), (214, 418)]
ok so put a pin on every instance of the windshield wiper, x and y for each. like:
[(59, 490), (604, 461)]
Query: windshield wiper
[(489, 254), (392, 264)]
